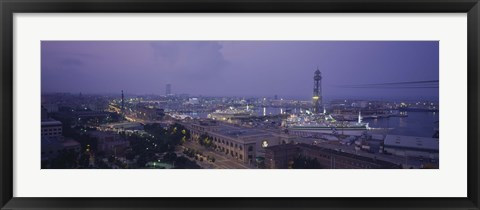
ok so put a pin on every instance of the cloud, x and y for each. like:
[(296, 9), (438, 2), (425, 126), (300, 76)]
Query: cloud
[(66, 61), (199, 59), (71, 62)]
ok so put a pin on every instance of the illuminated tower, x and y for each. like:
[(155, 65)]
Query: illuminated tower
[(359, 117), (317, 91), (123, 102)]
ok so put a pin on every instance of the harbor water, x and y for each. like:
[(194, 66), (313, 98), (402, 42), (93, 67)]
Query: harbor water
[(424, 124)]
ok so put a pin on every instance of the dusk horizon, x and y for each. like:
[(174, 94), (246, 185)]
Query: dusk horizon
[(240, 68)]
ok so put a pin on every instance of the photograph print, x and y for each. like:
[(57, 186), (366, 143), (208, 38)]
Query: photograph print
[(239, 105)]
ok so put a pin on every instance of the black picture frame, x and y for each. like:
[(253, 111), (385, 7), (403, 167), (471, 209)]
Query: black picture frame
[(10, 7)]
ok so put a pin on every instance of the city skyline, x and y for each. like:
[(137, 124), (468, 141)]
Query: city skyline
[(240, 105), (240, 68)]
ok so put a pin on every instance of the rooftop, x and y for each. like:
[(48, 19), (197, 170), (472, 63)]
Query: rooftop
[(238, 132), (51, 123), (411, 142), (101, 133), (232, 131), (301, 146)]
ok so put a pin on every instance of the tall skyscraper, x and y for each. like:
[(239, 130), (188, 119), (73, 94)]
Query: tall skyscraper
[(317, 91), (168, 89)]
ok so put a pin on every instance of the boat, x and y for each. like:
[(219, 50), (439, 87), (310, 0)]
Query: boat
[(326, 124), (330, 127), (231, 113)]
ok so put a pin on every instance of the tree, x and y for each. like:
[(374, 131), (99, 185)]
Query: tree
[(303, 162), (205, 140), (184, 163), (65, 159), (84, 160), (170, 157), (130, 155), (141, 161), (111, 159)]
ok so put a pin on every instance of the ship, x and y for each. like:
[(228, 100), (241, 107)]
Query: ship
[(326, 124), (330, 126), (231, 113)]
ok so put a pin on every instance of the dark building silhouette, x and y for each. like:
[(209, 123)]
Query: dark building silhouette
[(282, 156), (168, 89)]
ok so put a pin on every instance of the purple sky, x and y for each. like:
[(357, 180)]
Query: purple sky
[(239, 68)]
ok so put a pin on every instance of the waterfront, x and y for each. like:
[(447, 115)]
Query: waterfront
[(422, 124)]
